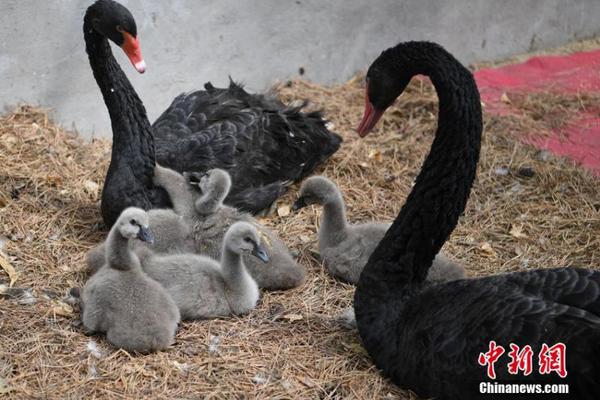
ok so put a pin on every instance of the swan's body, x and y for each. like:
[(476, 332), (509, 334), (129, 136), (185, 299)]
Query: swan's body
[(263, 144), (428, 338), (345, 248), (136, 313), (199, 198), (347, 258), (281, 272), (201, 287)]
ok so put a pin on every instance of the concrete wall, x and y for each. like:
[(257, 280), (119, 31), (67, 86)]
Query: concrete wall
[(187, 42)]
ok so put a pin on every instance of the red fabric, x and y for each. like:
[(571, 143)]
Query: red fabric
[(572, 73)]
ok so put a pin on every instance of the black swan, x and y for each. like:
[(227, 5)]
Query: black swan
[(432, 338), (260, 142)]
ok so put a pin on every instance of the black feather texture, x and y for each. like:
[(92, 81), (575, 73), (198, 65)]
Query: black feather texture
[(263, 144), (428, 338)]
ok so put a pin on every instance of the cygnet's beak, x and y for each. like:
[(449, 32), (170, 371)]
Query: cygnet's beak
[(299, 203), (194, 179), (145, 235), (260, 253)]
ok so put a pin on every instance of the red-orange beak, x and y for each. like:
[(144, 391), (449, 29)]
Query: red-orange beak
[(131, 47), (370, 117)]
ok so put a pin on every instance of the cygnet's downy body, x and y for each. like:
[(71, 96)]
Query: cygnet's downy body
[(202, 202), (344, 248), (135, 311), (201, 287)]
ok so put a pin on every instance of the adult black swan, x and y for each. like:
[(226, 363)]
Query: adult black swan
[(434, 340), (263, 144)]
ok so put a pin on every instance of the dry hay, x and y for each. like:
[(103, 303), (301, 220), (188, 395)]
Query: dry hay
[(292, 345)]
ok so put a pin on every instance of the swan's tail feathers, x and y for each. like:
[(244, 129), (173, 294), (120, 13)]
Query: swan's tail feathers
[(235, 98), (236, 85), (257, 199), (235, 90), (307, 136)]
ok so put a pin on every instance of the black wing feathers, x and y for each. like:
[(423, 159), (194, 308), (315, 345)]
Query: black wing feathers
[(260, 141)]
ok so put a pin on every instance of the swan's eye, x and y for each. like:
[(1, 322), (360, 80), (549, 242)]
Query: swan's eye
[(120, 29), (248, 240), (132, 222)]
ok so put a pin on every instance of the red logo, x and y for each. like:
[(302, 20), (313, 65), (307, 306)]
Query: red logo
[(490, 358), (520, 360), (551, 359)]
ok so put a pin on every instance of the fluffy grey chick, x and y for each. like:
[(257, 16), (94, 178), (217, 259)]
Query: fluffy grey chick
[(179, 188), (136, 313), (171, 235), (202, 203), (201, 287), (171, 228), (344, 248)]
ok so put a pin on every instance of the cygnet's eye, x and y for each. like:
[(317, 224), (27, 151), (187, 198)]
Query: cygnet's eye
[(132, 222)]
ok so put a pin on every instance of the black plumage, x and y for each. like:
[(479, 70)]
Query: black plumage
[(263, 144), (428, 338)]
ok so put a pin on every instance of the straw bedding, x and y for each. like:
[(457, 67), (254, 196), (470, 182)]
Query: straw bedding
[(527, 209)]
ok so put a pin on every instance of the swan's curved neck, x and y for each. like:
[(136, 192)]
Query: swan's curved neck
[(234, 272), (333, 222), (130, 125), (118, 254), (400, 262), (209, 202)]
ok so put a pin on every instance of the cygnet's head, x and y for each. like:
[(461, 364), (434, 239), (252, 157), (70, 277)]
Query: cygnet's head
[(243, 237), (316, 190), (133, 223), (215, 181)]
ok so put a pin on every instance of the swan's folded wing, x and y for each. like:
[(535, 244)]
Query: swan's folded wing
[(214, 147), (195, 111), (260, 139), (347, 260), (184, 115), (543, 306), (257, 198), (573, 287)]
